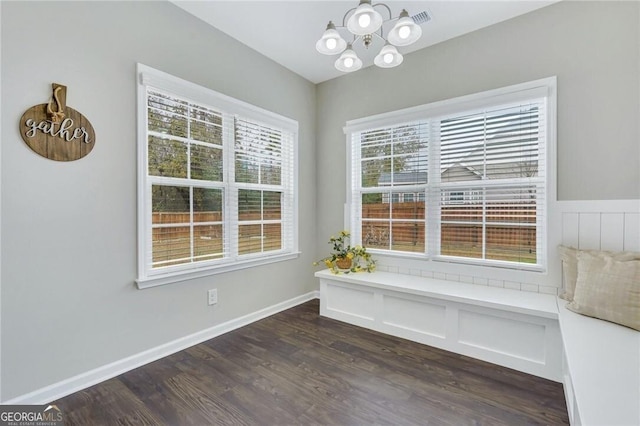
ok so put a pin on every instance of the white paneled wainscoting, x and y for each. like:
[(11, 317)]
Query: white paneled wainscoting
[(525, 326)]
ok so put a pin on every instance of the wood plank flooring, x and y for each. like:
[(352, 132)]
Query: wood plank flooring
[(297, 368)]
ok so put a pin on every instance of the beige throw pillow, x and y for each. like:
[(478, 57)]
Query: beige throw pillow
[(569, 258), (569, 270), (608, 288)]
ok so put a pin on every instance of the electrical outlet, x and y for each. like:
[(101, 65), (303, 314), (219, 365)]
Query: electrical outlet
[(213, 296)]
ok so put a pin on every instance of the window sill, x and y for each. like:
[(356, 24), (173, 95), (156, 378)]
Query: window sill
[(491, 263), (175, 277), (460, 261)]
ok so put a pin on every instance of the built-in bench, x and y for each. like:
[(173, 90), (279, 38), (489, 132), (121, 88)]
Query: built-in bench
[(507, 327), (601, 370), (598, 362)]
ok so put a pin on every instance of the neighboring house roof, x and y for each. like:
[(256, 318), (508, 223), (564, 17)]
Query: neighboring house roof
[(462, 172), (402, 178)]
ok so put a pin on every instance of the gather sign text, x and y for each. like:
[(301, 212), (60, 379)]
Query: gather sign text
[(65, 131)]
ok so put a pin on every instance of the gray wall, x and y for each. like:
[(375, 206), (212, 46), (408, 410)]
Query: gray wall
[(593, 49), (69, 229), (69, 303)]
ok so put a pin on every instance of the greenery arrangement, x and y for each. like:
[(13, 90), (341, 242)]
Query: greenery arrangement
[(346, 259)]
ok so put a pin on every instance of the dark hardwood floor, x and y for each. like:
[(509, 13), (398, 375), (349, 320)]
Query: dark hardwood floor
[(298, 368)]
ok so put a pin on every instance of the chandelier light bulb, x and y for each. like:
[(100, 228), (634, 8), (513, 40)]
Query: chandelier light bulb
[(364, 20), (387, 58), (405, 32), (331, 43)]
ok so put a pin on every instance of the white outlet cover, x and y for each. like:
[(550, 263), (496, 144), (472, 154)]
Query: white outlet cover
[(212, 296)]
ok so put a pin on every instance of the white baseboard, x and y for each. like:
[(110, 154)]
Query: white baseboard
[(82, 381)]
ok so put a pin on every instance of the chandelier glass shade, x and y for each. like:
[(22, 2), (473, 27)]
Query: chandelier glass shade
[(365, 20), (364, 23), (331, 43), (348, 61), (388, 57), (405, 31)]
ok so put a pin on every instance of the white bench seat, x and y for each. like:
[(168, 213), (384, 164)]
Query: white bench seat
[(507, 327), (601, 370), (542, 305)]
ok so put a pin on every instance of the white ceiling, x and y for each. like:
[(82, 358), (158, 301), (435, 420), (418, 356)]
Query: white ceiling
[(286, 31)]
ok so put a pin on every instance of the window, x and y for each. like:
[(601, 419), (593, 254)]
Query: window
[(391, 162), (455, 197), (474, 174), (408, 198), (216, 182)]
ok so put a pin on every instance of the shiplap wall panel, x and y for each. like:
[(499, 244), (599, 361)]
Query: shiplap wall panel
[(570, 229), (601, 225), (589, 231), (632, 231), (612, 232)]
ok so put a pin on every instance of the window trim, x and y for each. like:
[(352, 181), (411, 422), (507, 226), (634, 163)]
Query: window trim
[(545, 87), (149, 77)]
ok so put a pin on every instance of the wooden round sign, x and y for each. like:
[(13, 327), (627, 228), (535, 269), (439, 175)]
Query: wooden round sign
[(56, 131)]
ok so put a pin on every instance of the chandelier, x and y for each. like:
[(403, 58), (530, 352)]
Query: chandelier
[(366, 24)]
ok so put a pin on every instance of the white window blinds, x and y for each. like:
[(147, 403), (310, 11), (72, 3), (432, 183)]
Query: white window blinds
[(263, 162), (458, 183), (492, 174), (393, 166), (184, 171), (216, 181)]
